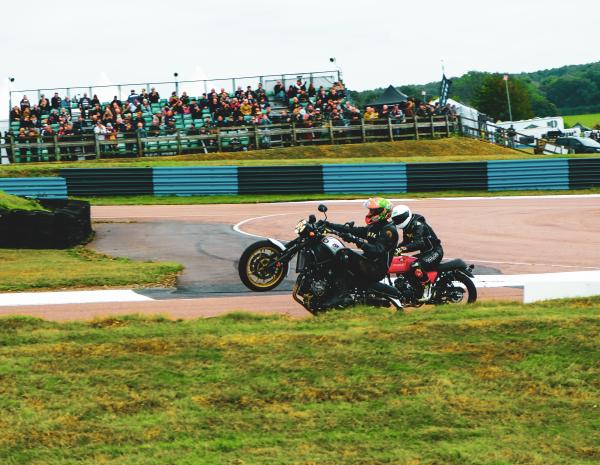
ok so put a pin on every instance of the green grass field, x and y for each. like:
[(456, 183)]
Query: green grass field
[(493, 384), (589, 120), (272, 198), (13, 202), (30, 270)]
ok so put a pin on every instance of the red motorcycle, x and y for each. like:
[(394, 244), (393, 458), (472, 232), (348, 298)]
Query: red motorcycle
[(451, 281)]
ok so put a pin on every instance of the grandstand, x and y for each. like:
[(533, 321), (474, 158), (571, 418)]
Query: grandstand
[(233, 114)]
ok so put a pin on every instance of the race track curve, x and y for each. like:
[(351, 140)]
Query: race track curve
[(509, 235)]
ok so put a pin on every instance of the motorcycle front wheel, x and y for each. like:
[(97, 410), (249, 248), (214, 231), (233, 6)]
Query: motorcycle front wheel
[(259, 269)]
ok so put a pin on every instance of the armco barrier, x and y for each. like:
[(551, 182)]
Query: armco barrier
[(280, 179), (528, 174), (584, 173), (109, 181), (428, 177), (364, 179), (552, 174), (205, 180), (40, 188)]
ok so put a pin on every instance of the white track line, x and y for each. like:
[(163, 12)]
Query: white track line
[(493, 262), (454, 199), (70, 297), (236, 227)]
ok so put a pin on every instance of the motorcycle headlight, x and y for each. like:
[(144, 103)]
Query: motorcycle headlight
[(301, 226)]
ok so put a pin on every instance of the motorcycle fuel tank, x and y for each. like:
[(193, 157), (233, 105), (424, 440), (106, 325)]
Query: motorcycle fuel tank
[(333, 244), (401, 264)]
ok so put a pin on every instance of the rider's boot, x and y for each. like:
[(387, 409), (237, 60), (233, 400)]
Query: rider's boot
[(427, 291)]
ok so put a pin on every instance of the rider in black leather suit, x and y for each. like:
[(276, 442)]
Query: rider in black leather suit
[(378, 241), (418, 236)]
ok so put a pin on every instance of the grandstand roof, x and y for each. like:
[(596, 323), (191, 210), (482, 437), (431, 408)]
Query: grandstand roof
[(389, 97)]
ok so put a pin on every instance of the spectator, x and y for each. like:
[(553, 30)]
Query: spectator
[(23, 140), (15, 114), (370, 114), (47, 134), (279, 90), (100, 133), (245, 108), (25, 103), (154, 96), (33, 137), (55, 101), (132, 96), (66, 104)]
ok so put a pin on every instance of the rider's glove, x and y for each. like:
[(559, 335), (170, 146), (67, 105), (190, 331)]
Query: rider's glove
[(360, 243), (347, 237)]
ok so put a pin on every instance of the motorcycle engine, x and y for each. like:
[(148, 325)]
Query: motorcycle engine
[(405, 288), (319, 288)]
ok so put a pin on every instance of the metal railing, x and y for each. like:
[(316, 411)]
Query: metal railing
[(243, 138), (485, 130), (194, 88)]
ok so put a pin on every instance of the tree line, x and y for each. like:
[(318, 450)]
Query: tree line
[(568, 90)]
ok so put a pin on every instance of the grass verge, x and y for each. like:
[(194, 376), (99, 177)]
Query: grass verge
[(493, 384), (590, 120), (441, 150), (27, 270), (272, 198), (13, 202)]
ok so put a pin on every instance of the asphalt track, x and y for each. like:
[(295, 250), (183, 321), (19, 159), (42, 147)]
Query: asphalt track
[(510, 235)]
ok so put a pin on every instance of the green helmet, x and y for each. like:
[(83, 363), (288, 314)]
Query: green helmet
[(379, 210)]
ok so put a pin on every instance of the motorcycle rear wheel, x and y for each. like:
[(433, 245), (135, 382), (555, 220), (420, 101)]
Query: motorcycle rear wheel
[(254, 269), (470, 291)]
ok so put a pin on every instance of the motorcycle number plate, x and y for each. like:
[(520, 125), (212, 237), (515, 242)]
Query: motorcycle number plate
[(332, 244)]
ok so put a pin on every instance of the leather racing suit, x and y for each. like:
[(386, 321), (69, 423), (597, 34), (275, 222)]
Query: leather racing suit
[(378, 242), (419, 236)]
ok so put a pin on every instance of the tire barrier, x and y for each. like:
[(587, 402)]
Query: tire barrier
[(203, 180), (430, 177), (68, 223), (93, 182), (376, 178), (294, 179), (584, 173), (41, 188), (550, 174), (364, 179)]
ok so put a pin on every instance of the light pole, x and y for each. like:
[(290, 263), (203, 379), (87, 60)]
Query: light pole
[(339, 70), (176, 83), (508, 96), (10, 81), (423, 95)]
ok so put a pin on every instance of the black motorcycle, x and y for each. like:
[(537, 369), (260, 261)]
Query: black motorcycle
[(264, 265)]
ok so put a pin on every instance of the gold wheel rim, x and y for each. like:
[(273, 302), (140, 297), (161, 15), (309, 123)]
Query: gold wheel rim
[(265, 254)]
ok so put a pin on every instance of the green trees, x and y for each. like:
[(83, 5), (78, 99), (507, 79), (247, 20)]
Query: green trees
[(567, 90), (571, 91), (490, 98)]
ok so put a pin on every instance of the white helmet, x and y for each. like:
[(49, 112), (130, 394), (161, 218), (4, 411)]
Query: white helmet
[(401, 216)]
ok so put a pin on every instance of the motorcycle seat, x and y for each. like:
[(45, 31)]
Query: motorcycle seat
[(457, 263)]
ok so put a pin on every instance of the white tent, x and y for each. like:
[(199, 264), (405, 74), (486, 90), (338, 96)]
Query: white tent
[(469, 115)]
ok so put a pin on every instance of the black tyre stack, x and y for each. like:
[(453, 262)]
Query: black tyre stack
[(68, 223)]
